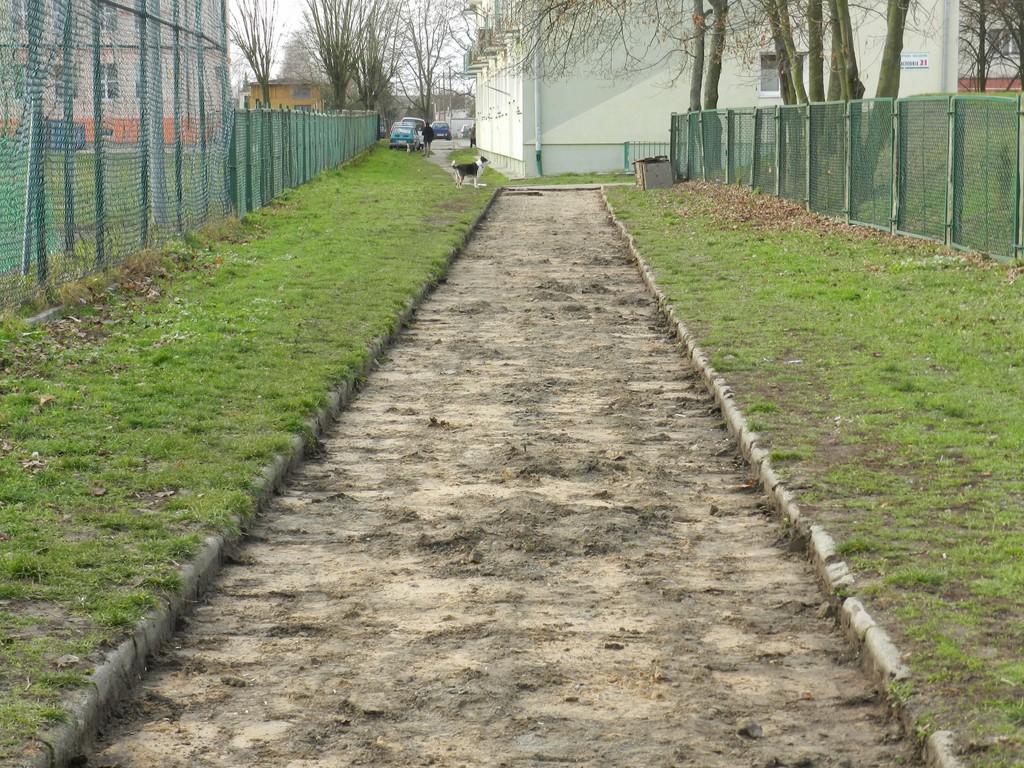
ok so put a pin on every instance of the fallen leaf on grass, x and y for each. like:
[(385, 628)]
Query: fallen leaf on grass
[(33, 465)]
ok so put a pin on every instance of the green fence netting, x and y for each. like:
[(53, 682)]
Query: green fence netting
[(714, 137), (944, 168), (871, 162), (985, 183), (679, 151), (696, 152), (827, 158), (117, 132), (741, 146), (765, 158), (792, 129), (274, 150), (922, 167)]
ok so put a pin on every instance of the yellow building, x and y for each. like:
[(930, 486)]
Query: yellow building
[(288, 95)]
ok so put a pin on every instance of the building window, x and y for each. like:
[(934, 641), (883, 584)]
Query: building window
[(108, 81), (770, 85), (301, 92), (1002, 43)]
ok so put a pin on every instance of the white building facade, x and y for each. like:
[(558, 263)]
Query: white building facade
[(533, 124)]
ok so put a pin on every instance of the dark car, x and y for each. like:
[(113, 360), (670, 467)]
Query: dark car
[(442, 130)]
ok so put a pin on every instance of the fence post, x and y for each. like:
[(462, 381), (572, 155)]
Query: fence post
[(68, 84), (848, 160), (179, 157), (673, 132), (143, 121), (625, 155), (808, 155), (894, 216), (951, 124), (729, 116), (703, 149), (204, 165), (778, 150), (97, 134), (1018, 242), (248, 162)]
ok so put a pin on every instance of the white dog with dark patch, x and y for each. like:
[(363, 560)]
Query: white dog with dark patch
[(473, 170)]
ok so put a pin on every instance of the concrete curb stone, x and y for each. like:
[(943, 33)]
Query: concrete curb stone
[(111, 681), (879, 654)]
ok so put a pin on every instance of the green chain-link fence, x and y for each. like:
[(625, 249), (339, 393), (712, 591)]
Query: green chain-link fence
[(944, 168), (871, 163), (115, 127), (274, 150), (922, 167), (116, 133)]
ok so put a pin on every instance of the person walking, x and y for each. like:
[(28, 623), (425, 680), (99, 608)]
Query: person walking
[(472, 135), (428, 136)]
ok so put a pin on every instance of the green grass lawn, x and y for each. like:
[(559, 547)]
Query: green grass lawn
[(139, 425), (885, 377)]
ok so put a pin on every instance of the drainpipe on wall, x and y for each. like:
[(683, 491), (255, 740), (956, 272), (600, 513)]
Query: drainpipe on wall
[(536, 89)]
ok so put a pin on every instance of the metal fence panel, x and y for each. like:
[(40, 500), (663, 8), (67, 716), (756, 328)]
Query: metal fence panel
[(741, 146), (923, 167), (765, 165), (827, 171), (985, 141), (696, 152), (715, 130), (793, 153), (112, 115), (871, 162), (680, 147)]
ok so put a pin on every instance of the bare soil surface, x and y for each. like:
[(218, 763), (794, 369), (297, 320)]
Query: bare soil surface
[(529, 542)]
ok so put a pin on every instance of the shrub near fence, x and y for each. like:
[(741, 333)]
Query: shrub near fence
[(944, 168)]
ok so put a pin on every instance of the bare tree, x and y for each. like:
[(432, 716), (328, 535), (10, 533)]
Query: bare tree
[(378, 52), (331, 26), (257, 33), (298, 60), (427, 27)]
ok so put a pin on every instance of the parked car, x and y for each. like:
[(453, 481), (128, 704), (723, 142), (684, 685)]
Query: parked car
[(404, 136), (442, 130), (416, 121), (465, 130)]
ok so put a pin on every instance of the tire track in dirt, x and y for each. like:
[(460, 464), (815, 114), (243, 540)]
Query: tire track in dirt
[(528, 542)]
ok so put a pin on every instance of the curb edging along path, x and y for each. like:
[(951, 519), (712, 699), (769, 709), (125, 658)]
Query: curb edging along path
[(87, 709), (881, 657)]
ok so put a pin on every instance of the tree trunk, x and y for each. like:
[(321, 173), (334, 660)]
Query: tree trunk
[(889, 75), (781, 57), (854, 88), (697, 74), (796, 64), (714, 65), (815, 51)]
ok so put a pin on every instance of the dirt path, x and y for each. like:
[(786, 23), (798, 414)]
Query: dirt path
[(528, 543)]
